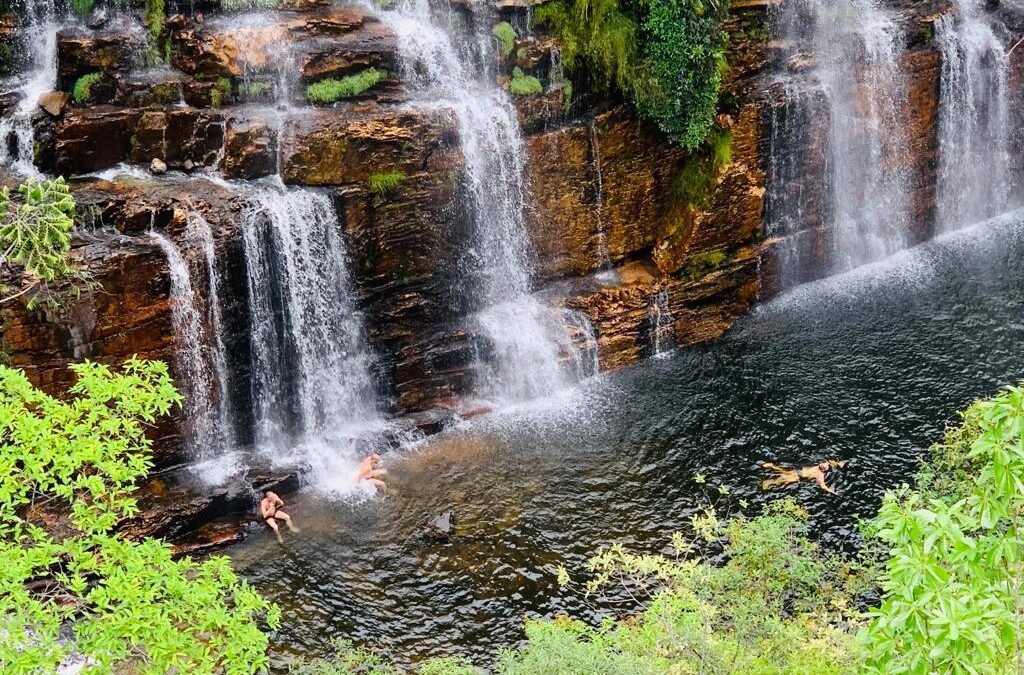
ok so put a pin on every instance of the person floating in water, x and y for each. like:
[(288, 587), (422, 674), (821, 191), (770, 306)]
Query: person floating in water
[(270, 509), (790, 476), (369, 472)]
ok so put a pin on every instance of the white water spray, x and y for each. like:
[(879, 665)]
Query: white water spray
[(857, 47), (40, 24), (974, 127)]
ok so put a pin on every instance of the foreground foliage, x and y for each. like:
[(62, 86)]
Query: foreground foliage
[(952, 583), (667, 57), (82, 589), (772, 608)]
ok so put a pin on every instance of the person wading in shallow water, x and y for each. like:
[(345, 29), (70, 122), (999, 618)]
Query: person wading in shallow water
[(369, 472), (270, 509), (789, 476)]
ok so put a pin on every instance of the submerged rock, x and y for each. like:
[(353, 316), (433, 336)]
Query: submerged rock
[(157, 167), (440, 527)]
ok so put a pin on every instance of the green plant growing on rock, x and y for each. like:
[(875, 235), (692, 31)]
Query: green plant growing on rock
[(384, 183), (220, 93), (82, 91), (332, 90), (524, 85), (254, 89), (127, 606), (700, 264), (667, 57), (82, 7), (506, 36), (155, 13), (35, 236), (692, 184)]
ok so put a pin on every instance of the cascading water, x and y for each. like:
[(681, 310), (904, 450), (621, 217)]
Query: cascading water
[(856, 68), (39, 42), (604, 257), (311, 371), (974, 127), (661, 323), (531, 349), (198, 358)]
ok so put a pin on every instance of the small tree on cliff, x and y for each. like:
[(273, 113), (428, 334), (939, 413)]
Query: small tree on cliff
[(35, 239), (122, 606)]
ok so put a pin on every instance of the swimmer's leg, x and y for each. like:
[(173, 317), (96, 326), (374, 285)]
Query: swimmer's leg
[(273, 526), (787, 478), (379, 484), (281, 515), (378, 473), (775, 467)]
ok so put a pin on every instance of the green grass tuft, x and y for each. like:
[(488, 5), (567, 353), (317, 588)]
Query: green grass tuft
[(331, 90), (83, 87), (253, 89), (692, 185), (383, 183)]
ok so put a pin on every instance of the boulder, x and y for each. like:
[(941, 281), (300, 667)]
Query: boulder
[(91, 139), (54, 102), (250, 150)]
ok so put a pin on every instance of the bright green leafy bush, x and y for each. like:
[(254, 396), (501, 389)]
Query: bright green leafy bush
[(128, 606), (83, 87), (82, 7), (331, 90), (952, 599), (506, 36), (522, 84)]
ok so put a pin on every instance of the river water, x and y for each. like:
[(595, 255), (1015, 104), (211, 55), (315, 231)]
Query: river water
[(868, 366)]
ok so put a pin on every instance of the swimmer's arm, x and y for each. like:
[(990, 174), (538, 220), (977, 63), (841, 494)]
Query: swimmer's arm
[(820, 480)]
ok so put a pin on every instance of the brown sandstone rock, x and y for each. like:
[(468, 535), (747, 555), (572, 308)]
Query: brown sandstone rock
[(250, 150), (92, 139), (54, 102), (81, 53), (346, 145)]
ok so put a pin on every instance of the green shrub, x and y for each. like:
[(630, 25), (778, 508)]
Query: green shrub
[(383, 183), (952, 600), (128, 606), (155, 15), (83, 87), (665, 56), (524, 85), (331, 90), (506, 36), (351, 660), (220, 93), (36, 236)]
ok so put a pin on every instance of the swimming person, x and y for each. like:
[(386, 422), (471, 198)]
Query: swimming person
[(790, 476), (369, 472), (270, 509)]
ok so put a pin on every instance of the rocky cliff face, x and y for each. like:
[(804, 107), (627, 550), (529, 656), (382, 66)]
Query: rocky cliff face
[(612, 238), (600, 195)]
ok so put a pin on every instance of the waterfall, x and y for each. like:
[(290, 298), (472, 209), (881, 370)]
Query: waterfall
[(856, 68), (974, 128), (528, 339), (661, 323), (39, 42), (311, 371), (204, 413), (604, 257)]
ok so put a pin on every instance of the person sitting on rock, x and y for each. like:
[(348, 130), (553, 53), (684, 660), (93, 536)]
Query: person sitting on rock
[(790, 476), (270, 509), (369, 472)]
